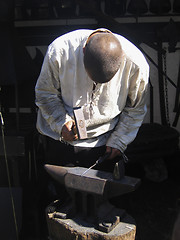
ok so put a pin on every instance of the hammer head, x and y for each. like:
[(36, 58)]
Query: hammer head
[(80, 123)]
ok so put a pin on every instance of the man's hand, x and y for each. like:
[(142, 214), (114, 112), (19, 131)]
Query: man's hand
[(114, 152), (69, 131)]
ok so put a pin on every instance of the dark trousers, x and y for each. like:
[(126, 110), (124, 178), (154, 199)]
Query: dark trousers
[(58, 153), (61, 154)]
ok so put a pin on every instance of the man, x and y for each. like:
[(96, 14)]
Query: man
[(106, 77)]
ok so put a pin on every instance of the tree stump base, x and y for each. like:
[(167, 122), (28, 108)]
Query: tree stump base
[(78, 229)]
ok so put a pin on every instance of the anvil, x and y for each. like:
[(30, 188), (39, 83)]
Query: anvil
[(90, 193)]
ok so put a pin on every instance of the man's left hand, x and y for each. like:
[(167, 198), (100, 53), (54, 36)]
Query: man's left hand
[(114, 152)]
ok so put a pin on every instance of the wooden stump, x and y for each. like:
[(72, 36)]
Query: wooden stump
[(78, 229)]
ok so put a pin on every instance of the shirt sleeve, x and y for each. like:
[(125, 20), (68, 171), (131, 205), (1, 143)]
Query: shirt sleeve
[(133, 113), (48, 93)]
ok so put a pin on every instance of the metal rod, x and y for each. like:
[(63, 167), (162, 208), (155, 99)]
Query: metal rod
[(161, 85), (151, 102)]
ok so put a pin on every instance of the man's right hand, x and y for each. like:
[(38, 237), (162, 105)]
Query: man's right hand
[(69, 131)]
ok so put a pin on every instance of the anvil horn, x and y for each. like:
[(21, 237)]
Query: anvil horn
[(56, 172)]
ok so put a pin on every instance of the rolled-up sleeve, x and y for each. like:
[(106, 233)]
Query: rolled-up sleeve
[(134, 111)]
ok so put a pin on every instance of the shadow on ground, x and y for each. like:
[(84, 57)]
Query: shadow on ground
[(154, 205)]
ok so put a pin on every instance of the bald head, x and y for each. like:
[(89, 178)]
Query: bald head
[(102, 56)]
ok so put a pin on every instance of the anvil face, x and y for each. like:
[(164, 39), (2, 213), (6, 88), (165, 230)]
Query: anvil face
[(94, 181)]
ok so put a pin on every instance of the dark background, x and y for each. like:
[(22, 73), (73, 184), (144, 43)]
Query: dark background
[(154, 155)]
